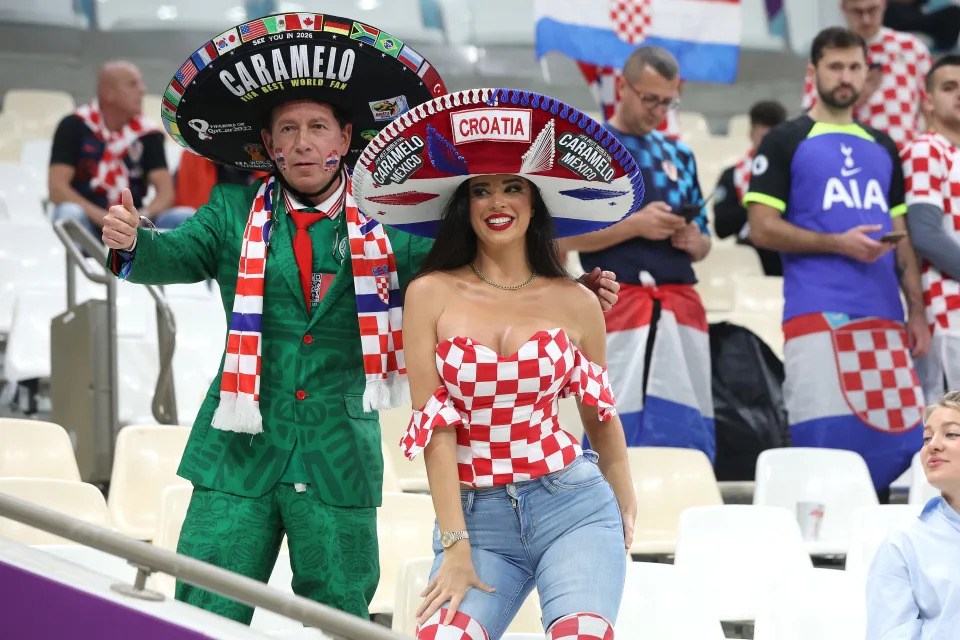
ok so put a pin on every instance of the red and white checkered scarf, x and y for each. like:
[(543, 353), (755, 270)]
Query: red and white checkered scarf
[(111, 178), (379, 307)]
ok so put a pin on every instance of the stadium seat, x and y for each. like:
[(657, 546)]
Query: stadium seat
[(738, 127), (661, 602), (211, 16), (76, 499), (22, 188), (666, 482), (736, 551), (767, 326), (151, 110), (411, 581), (405, 530), (921, 491), (759, 294), (825, 604), (412, 474), (35, 155), (38, 104), (693, 126), (727, 261), (174, 501), (36, 449), (716, 294), (836, 478), (145, 463), (869, 527), (391, 483), (489, 28), (28, 343), (100, 561), (201, 337)]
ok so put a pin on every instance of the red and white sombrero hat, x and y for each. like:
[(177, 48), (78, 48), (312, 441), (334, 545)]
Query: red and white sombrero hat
[(408, 172)]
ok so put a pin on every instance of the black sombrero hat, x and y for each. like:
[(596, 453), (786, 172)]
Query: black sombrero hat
[(216, 103)]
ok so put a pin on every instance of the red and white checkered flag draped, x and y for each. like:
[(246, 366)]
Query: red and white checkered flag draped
[(111, 177), (632, 20)]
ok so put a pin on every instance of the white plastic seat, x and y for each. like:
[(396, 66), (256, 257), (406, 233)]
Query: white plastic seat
[(35, 155), (201, 336), (738, 126), (36, 449), (174, 501), (145, 462), (100, 561), (921, 491), (412, 579), (869, 527), (76, 499), (759, 294), (490, 28), (716, 294), (836, 478), (660, 601), (405, 530), (767, 326), (38, 103), (667, 481), (412, 474), (23, 188), (825, 604), (736, 551), (28, 343)]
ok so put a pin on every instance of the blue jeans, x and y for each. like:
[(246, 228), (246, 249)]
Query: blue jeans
[(165, 221), (561, 533)]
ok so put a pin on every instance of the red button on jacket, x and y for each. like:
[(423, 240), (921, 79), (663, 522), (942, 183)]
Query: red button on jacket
[(307, 339), (301, 394)]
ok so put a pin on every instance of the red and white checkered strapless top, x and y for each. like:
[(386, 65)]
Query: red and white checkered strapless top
[(505, 408)]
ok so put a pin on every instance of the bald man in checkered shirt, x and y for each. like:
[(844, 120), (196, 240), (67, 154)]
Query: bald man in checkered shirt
[(899, 63)]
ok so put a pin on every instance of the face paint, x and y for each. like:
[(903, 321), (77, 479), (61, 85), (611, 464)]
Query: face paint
[(333, 160), (281, 162)]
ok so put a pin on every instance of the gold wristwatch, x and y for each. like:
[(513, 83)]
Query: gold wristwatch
[(448, 538)]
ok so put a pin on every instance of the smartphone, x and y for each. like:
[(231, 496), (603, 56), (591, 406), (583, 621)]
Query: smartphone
[(689, 211), (893, 236)]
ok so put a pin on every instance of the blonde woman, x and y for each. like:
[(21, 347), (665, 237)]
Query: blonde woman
[(913, 588)]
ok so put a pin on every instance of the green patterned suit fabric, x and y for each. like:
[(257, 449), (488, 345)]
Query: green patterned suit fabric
[(339, 442), (333, 550)]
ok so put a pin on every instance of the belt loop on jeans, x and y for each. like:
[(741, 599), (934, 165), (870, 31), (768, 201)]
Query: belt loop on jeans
[(467, 497)]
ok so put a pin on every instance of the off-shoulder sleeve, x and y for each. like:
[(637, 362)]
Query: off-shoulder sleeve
[(437, 412), (589, 382)]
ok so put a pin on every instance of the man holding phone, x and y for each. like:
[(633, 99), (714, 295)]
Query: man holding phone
[(658, 346), (931, 166), (827, 192), (898, 64)]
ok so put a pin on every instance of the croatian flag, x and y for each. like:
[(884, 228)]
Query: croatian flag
[(677, 408), (704, 35)]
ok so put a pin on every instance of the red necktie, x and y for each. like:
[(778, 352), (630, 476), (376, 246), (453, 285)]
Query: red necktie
[(303, 248)]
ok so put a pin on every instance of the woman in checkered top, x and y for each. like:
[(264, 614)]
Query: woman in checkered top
[(495, 332)]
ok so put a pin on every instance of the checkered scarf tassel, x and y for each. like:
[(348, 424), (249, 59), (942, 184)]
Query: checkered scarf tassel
[(239, 408), (379, 310), (111, 177)]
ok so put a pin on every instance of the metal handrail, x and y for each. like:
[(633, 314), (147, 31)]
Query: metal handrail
[(147, 559), (75, 237)]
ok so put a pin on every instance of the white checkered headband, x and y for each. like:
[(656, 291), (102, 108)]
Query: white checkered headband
[(409, 172)]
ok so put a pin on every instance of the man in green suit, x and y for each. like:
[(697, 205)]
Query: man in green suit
[(303, 456)]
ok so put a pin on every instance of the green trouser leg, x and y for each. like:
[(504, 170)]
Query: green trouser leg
[(333, 550), (232, 532)]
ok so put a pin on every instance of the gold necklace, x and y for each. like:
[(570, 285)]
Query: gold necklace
[(500, 286)]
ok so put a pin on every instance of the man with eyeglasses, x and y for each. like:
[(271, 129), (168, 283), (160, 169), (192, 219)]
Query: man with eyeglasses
[(898, 64), (658, 346)]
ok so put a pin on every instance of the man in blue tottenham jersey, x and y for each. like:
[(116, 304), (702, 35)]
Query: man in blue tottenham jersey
[(828, 193)]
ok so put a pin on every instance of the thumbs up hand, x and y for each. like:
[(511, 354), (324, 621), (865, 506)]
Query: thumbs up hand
[(120, 224)]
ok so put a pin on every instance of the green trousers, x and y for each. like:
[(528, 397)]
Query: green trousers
[(333, 550)]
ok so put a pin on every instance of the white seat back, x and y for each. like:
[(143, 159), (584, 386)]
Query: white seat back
[(921, 491), (36, 449), (869, 527), (660, 601), (736, 551), (76, 499), (825, 604), (836, 478), (405, 530)]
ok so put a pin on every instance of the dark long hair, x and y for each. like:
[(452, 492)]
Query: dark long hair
[(456, 241)]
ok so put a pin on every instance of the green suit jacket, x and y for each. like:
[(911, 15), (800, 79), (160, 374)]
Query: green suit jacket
[(339, 442)]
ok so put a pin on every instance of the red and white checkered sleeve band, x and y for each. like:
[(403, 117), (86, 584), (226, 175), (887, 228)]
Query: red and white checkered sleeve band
[(590, 383), (437, 412), (809, 93), (923, 173)]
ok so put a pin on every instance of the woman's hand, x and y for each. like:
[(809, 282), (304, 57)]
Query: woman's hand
[(629, 517), (451, 582)]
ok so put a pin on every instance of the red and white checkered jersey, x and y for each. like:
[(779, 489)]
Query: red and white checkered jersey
[(741, 174), (505, 408), (894, 108), (931, 169)]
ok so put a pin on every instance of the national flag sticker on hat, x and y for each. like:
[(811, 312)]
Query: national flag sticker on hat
[(227, 41)]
